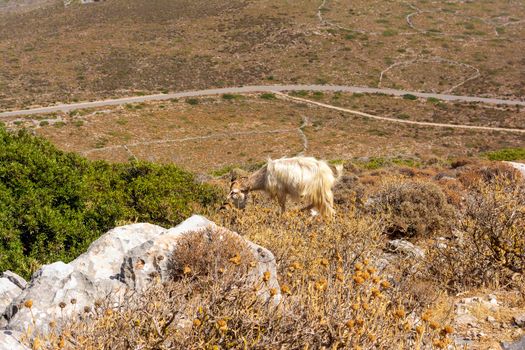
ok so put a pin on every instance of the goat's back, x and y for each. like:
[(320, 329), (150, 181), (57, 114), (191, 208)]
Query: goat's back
[(299, 176)]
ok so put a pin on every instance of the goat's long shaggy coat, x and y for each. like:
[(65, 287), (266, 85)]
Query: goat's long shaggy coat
[(299, 177)]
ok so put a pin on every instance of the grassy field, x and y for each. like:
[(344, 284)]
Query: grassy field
[(128, 47), (208, 134)]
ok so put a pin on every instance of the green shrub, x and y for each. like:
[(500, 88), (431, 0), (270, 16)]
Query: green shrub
[(54, 204), (409, 97), (230, 96), (507, 154), (268, 96), (192, 101)]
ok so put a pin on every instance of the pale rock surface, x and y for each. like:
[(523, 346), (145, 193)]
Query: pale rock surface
[(405, 247), (518, 166), (10, 340), (123, 259), (8, 292)]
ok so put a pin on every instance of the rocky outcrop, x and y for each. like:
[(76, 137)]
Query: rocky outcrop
[(10, 340), (8, 292), (518, 166), (125, 258)]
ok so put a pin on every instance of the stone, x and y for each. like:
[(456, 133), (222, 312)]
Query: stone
[(124, 259), (150, 260), (8, 292), (491, 319), (465, 319), (407, 248), (519, 320), (10, 340), (517, 345), (19, 281), (518, 166), (104, 257)]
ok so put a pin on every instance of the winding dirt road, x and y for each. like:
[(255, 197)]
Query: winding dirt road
[(254, 89)]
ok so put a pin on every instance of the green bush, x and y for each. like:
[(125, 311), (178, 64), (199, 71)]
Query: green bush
[(409, 97), (268, 96), (54, 204), (508, 154)]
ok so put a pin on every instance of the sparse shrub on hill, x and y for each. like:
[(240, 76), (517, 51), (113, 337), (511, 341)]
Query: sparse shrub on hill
[(54, 204), (412, 208), (333, 295), (490, 248)]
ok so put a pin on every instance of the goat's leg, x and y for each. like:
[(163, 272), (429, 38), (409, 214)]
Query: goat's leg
[(308, 207), (282, 202)]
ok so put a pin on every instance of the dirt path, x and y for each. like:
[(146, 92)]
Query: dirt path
[(255, 89), (403, 121)]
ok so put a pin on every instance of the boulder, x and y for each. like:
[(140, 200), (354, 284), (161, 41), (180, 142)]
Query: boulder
[(8, 292), (125, 258), (517, 345), (19, 281), (519, 320), (518, 166), (103, 259), (407, 248), (150, 260), (10, 340)]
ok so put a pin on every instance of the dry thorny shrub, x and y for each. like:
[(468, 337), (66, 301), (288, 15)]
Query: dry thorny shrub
[(489, 249), (412, 208), (333, 296)]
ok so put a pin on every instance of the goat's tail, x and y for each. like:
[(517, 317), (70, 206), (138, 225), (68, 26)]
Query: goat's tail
[(324, 197)]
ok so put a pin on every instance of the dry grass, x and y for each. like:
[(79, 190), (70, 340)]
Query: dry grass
[(218, 133), (340, 287), (127, 47)]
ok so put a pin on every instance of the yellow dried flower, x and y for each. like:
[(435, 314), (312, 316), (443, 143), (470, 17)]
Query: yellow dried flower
[(426, 316), (420, 329), (108, 312), (324, 262), (253, 264), (28, 303), (365, 275), (236, 260), (266, 276), (321, 284), (372, 337), (371, 270), (399, 313), (376, 292), (385, 284), (186, 270), (358, 279), (340, 277), (221, 270), (447, 330), (366, 262), (296, 265), (433, 325), (350, 324), (376, 279), (365, 306), (37, 344), (359, 322), (197, 323), (285, 289), (358, 267), (222, 325), (273, 292), (355, 306)]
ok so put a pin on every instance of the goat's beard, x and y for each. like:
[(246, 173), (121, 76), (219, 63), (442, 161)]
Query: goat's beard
[(241, 201)]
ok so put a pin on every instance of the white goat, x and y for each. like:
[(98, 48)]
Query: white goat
[(299, 177)]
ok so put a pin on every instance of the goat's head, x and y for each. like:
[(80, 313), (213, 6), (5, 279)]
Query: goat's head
[(238, 192)]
